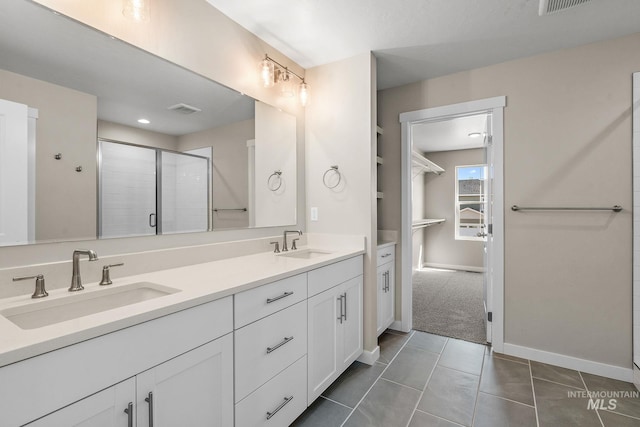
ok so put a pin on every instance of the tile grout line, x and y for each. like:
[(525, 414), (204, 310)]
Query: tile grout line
[(508, 400), (621, 414), (397, 383), (435, 416), (587, 389), (555, 382), (377, 379), (415, 408), (336, 402), (533, 391), (475, 403)]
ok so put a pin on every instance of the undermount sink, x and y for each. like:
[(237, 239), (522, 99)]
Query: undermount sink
[(48, 312), (304, 253)]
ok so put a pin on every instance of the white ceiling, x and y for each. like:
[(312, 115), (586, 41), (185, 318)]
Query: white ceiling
[(420, 39), (450, 134)]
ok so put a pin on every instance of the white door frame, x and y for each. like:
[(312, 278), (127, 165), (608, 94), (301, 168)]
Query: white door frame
[(494, 106)]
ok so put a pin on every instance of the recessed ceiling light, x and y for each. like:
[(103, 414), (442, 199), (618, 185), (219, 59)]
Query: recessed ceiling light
[(474, 134), (144, 121)]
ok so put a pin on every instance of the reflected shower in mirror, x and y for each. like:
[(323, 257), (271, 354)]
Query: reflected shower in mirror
[(208, 151)]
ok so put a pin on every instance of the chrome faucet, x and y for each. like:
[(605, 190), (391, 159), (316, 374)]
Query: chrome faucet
[(284, 241), (76, 280)]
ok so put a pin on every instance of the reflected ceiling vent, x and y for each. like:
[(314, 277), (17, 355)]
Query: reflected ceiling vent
[(547, 7), (184, 109)]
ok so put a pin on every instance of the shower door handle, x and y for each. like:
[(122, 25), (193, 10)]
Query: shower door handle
[(152, 220)]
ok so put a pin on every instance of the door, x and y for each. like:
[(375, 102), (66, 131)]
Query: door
[(103, 409), (14, 173), (323, 312), (194, 389), (127, 190), (184, 192), (350, 331), (488, 198)]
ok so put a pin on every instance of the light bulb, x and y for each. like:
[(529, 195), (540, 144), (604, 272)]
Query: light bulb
[(286, 85), (266, 73), (303, 93), (138, 10)]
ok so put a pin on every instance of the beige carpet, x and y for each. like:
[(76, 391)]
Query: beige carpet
[(449, 303)]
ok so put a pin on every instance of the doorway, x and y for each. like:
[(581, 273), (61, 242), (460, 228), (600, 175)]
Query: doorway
[(480, 215)]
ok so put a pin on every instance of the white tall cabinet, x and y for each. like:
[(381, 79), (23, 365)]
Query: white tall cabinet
[(386, 286)]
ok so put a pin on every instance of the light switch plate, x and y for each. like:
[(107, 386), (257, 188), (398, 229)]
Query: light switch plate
[(314, 214)]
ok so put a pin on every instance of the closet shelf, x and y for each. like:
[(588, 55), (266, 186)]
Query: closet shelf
[(422, 223), (418, 160)]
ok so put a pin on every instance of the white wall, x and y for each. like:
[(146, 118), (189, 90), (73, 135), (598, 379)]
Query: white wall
[(340, 130), (275, 150), (567, 141)]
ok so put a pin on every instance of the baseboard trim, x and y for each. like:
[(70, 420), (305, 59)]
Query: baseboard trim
[(636, 377), (454, 267), (369, 357), (569, 362)]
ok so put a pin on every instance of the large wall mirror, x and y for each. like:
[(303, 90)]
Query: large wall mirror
[(101, 139)]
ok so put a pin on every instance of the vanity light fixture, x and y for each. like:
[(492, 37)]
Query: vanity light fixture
[(137, 10), (272, 73), (144, 121)]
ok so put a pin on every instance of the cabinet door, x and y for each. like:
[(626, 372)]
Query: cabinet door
[(381, 283), (388, 303), (351, 328), (322, 351), (193, 389), (103, 409)]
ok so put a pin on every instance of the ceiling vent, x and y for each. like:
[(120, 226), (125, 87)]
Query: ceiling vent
[(184, 109), (547, 7)]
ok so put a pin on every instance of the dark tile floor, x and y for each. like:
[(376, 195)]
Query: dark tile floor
[(425, 380)]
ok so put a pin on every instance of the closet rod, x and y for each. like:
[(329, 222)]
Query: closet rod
[(616, 208)]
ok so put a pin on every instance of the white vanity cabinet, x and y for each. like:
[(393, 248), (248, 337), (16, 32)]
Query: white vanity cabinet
[(270, 353), (386, 287), (191, 389), (185, 359), (334, 322)]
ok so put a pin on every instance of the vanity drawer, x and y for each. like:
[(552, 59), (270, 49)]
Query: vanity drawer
[(291, 384), (386, 254), (323, 278), (266, 347), (260, 302)]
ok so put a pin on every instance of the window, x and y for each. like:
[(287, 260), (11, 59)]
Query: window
[(470, 202)]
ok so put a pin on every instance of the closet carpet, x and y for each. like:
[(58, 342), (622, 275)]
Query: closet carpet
[(449, 303)]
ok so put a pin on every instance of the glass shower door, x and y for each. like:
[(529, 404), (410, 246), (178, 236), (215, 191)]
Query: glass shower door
[(127, 190)]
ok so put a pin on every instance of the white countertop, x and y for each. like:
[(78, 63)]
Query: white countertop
[(197, 284)]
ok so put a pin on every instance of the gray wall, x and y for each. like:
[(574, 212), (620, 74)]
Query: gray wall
[(567, 130), (67, 125), (441, 249)]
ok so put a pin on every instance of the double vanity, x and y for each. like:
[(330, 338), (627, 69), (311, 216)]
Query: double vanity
[(245, 341)]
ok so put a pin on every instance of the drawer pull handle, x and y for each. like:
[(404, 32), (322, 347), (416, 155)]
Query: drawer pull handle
[(386, 255), (286, 294), (280, 344), (129, 412), (275, 411)]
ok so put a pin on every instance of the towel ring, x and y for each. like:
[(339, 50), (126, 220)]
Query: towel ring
[(335, 171), (274, 182)]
